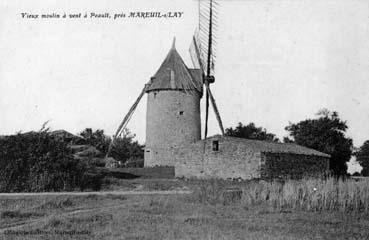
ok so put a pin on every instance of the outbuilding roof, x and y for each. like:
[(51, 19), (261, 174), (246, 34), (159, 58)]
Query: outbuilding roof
[(272, 147), (173, 74)]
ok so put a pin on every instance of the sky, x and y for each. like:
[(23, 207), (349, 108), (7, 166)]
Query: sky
[(278, 61)]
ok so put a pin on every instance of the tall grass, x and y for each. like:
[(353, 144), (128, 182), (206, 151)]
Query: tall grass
[(306, 194)]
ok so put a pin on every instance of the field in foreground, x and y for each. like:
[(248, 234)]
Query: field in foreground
[(194, 216)]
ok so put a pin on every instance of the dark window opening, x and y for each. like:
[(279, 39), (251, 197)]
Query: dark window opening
[(155, 94), (181, 113), (216, 145)]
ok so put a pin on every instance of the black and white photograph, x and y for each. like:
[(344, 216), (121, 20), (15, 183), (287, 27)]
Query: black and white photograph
[(184, 119)]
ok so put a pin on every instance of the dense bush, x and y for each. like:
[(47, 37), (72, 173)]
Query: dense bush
[(40, 161), (96, 138), (128, 151), (125, 149)]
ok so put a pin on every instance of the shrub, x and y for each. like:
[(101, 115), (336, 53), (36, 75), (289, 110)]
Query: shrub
[(125, 149), (39, 161), (97, 139)]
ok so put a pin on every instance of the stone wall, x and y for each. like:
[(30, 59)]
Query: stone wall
[(232, 160), (277, 165), (172, 120)]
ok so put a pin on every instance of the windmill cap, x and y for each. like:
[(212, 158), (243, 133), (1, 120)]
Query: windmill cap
[(173, 74)]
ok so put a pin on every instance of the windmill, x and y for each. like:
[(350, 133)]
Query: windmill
[(174, 77), (202, 51)]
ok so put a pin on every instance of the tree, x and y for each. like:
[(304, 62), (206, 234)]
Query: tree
[(325, 134), (97, 139), (250, 131), (126, 149), (362, 156)]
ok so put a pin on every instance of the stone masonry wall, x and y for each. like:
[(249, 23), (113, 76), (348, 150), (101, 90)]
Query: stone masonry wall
[(276, 165), (232, 160), (172, 120)]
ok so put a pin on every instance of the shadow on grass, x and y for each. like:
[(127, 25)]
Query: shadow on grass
[(79, 222), (18, 214)]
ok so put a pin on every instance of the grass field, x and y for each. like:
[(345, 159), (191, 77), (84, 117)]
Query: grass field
[(262, 211)]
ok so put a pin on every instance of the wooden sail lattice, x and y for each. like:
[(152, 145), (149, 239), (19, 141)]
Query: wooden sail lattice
[(203, 53)]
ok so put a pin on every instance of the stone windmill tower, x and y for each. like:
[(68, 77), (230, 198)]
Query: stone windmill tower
[(174, 93), (173, 109)]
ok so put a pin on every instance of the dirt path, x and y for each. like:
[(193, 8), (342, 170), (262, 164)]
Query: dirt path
[(33, 222), (97, 193), (45, 219)]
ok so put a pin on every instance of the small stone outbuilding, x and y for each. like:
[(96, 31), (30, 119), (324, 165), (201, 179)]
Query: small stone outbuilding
[(233, 158)]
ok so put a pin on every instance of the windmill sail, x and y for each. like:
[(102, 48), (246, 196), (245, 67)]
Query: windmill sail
[(202, 51), (208, 18)]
